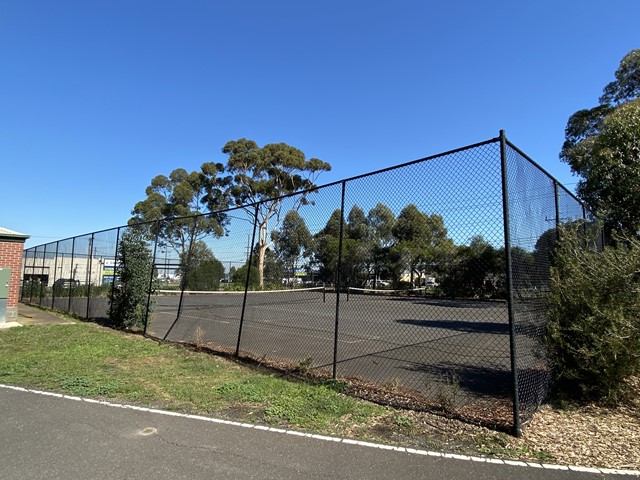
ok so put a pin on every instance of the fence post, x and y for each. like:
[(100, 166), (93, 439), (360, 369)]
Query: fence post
[(153, 264), (556, 196), (33, 272), (509, 277), (246, 280), (338, 281), (44, 258), (53, 285), (89, 272), (71, 275), (115, 273)]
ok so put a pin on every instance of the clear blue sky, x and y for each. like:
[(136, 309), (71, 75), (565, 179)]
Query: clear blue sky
[(98, 97)]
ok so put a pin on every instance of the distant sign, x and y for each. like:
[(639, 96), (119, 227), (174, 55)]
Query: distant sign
[(109, 270)]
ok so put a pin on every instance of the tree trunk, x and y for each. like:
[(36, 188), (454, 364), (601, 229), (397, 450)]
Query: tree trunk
[(262, 249)]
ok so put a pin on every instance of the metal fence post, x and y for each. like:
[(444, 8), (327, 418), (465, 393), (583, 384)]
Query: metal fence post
[(115, 273), (150, 290), (33, 270), (246, 281), (44, 258), (338, 281), (55, 269), (89, 274), (556, 196), (509, 278), (73, 277)]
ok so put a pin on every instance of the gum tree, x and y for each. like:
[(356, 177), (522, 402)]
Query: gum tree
[(260, 176), (182, 198)]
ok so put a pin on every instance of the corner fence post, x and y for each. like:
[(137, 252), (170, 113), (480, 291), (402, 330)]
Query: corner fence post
[(338, 281), (246, 280), (509, 277)]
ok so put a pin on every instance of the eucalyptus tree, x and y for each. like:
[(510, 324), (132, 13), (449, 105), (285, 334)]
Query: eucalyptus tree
[(261, 176), (184, 207)]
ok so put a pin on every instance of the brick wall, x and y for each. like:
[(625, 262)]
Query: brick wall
[(11, 257)]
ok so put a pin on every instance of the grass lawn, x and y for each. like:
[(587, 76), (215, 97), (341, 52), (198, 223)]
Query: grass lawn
[(88, 360)]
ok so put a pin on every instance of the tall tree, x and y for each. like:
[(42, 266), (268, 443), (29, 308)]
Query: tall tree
[(200, 269), (421, 240), (292, 240), (610, 165), (179, 202), (602, 145), (356, 247), (476, 269), (326, 247), (261, 175), (381, 222)]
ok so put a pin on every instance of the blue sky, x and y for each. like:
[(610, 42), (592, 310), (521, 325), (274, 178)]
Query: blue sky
[(98, 97)]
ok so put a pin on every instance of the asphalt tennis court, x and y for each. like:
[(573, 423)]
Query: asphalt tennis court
[(454, 348)]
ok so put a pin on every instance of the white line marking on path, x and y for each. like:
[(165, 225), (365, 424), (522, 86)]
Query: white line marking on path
[(325, 438)]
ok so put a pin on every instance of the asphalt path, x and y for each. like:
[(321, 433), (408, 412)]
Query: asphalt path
[(46, 437)]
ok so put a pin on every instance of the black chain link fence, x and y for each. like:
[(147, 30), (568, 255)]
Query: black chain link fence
[(421, 285)]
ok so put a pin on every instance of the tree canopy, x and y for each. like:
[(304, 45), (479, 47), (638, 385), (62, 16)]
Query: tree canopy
[(260, 176), (183, 197), (292, 240), (602, 145)]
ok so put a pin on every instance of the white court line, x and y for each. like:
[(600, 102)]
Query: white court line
[(325, 438)]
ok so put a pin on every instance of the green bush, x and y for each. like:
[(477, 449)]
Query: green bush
[(593, 334), (130, 297)]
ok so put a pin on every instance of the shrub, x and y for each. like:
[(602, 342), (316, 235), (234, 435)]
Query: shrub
[(593, 334), (130, 297)]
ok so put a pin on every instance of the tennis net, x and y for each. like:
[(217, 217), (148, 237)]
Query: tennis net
[(200, 298), (383, 293)]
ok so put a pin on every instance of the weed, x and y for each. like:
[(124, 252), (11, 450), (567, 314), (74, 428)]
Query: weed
[(402, 421), (198, 336), (304, 366), (448, 393)]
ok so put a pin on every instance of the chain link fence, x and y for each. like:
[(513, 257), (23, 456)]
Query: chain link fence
[(420, 285)]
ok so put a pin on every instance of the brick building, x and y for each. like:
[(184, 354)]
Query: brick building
[(11, 247)]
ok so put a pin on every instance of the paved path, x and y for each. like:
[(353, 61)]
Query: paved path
[(51, 437)]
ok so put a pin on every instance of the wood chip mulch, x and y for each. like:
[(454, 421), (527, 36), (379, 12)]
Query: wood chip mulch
[(590, 435)]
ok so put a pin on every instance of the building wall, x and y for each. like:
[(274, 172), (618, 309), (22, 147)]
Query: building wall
[(11, 257), (76, 268)]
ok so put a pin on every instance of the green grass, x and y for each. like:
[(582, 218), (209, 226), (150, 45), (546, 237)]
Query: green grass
[(87, 360)]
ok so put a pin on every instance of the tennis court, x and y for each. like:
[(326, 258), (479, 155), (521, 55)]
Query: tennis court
[(385, 337)]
